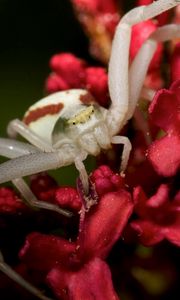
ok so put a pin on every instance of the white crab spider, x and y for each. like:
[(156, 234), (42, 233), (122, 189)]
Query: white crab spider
[(67, 126)]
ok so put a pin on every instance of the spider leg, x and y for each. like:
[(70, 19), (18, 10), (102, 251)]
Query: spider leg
[(20, 280), (126, 150), (30, 199), (147, 93), (27, 163), (12, 148), (119, 60), (17, 126), (138, 70), (82, 170), (33, 163)]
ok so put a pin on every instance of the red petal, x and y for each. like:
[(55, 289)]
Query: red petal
[(104, 224), (93, 281), (69, 67), (106, 180), (44, 186), (68, 197), (96, 83), (164, 110), (164, 154), (44, 252), (42, 183), (96, 6), (9, 201), (148, 233), (55, 83), (161, 197)]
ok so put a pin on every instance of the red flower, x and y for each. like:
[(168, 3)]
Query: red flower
[(99, 19), (67, 197), (105, 12), (92, 281), (175, 63), (71, 72), (44, 187), (65, 263), (164, 111), (159, 216), (10, 203), (106, 180)]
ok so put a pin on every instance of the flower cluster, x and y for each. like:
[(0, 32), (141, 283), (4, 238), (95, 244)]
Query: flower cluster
[(118, 241)]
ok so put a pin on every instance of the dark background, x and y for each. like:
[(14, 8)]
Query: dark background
[(31, 32)]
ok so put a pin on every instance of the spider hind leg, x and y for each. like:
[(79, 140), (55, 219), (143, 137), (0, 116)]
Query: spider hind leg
[(7, 270)]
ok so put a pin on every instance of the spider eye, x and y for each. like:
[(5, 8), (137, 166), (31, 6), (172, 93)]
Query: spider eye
[(77, 120), (82, 116)]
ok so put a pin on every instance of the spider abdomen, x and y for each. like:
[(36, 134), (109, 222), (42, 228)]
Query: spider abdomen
[(43, 115), (66, 117)]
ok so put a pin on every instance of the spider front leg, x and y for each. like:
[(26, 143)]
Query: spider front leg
[(119, 61), (119, 89), (126, 150), (27, 160)]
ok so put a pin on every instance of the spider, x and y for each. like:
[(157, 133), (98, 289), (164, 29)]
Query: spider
[(65, 127)]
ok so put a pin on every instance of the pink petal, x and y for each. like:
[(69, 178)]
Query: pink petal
[(44, 186), (93, 281), (44, 252), (68, 197), (96, 83), (104, 224), (69, 67), (164, 154), (148, 233), (10, 203), (164, 110), (106, 180), (160, 198), (96, 6), (55, 83)]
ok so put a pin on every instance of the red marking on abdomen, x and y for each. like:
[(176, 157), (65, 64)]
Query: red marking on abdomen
[(38, 113)]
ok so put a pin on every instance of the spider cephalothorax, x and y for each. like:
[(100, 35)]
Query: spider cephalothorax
[(69, 117)]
